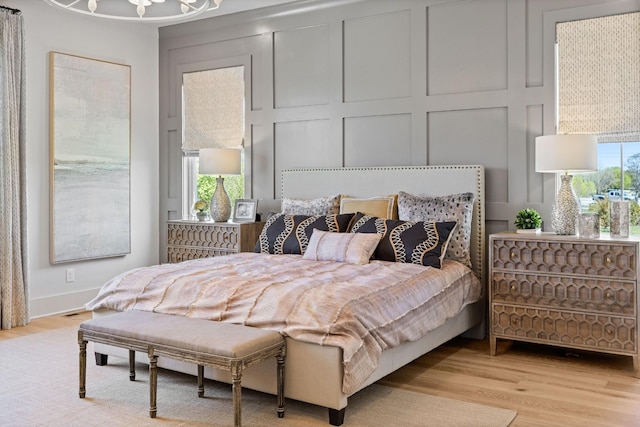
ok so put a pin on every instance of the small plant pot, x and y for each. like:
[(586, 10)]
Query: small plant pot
[(529, 230)]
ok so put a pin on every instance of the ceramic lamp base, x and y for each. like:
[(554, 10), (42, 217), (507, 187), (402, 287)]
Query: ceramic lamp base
[(566, 209), (220, 207)]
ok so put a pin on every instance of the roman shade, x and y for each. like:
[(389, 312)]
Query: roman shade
[(599, 77), (213, 109)]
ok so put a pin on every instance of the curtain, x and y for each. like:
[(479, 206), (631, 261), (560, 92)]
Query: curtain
[(14, 307)]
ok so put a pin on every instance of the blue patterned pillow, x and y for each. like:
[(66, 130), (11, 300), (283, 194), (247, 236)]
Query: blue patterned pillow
[(290, 234), (407, 241)]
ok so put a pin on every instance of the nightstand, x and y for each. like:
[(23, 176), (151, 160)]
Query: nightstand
[(199, 239), (565, 291)]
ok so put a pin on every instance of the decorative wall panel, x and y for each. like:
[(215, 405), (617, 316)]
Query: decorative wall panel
[(377, 140), (473, 137), (534, 128), (301, 74), (467, 49), (380, 82), (377, 63), (315, 149)]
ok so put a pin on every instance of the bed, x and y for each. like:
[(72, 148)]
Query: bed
[(325, 368)]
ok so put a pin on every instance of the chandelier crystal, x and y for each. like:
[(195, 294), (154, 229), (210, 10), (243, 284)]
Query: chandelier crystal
[(138, 10)]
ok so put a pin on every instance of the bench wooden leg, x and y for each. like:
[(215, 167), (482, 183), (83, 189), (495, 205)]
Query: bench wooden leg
[(153, 383), (280, 375), (200, 381), (132, 365), (236, 375), (82, 365)]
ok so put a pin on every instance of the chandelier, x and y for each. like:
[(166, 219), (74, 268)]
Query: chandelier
[(138, 10)]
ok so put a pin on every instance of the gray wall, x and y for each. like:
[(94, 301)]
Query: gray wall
[(383, 83)]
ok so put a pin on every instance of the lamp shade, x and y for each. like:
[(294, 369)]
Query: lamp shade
[(220, 161), (566, 153)]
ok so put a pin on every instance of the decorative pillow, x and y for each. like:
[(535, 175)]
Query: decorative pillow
[(290, 234), (352, 248), (320, 206), (454, 207), (381, 206), (407, 241)]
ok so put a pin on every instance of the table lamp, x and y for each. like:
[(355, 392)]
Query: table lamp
[(568, 154), (220, 161)]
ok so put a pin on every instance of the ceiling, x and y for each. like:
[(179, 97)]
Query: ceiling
[(232, 6)]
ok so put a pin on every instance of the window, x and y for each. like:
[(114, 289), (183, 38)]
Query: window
[(598, 75), (212, 117)]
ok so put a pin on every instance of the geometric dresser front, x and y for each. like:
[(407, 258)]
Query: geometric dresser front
[(199, 239), (565, 291)]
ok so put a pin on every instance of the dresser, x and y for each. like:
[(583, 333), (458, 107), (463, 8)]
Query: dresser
[(565, 291), (193, 239)]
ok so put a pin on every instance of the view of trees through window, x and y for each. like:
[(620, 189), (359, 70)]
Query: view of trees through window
[(234, 184), (596, 189)]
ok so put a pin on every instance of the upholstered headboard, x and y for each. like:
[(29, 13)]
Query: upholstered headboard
[(376, 181)]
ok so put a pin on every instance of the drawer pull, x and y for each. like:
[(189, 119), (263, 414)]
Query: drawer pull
[(607, 260), (513, 254), (513, 287), (608, 295), (609, 331)]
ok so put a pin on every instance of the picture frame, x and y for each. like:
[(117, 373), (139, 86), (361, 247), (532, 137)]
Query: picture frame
[(245, 210), (90, 158)]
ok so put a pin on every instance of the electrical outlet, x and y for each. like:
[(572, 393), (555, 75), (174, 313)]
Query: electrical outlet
[(71, 275)]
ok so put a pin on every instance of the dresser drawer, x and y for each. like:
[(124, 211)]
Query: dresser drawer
[(549, 256), (574, 293), (573, 329), (179, 254), (205, 236)]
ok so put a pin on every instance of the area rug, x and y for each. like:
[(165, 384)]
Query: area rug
[(39, 377)]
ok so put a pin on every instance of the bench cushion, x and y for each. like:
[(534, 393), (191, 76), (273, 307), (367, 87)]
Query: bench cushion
[(199, 335)]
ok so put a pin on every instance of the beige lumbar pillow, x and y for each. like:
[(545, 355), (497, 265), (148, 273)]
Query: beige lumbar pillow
[(380, 206), (352, 248)]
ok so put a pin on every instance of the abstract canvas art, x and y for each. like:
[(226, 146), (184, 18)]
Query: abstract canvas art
[(90, 115)]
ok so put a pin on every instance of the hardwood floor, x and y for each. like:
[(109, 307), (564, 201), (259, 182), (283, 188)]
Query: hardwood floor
[(545, 385)]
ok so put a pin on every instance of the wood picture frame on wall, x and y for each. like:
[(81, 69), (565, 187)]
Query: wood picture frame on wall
[(89, 133)]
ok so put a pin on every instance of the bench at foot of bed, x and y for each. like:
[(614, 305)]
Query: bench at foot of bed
[(336, 416), (233, 348)]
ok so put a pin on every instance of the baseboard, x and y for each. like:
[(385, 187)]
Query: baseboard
[(61, 303)]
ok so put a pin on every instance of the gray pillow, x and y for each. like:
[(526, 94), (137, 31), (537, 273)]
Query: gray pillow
[(320, 206)]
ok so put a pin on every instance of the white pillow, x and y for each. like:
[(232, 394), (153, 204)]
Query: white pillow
[(352, 248)]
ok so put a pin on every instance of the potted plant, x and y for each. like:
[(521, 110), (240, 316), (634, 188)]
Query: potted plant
[(528, 221), (201, 210)]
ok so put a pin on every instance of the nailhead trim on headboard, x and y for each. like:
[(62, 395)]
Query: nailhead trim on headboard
[(474, 183)]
